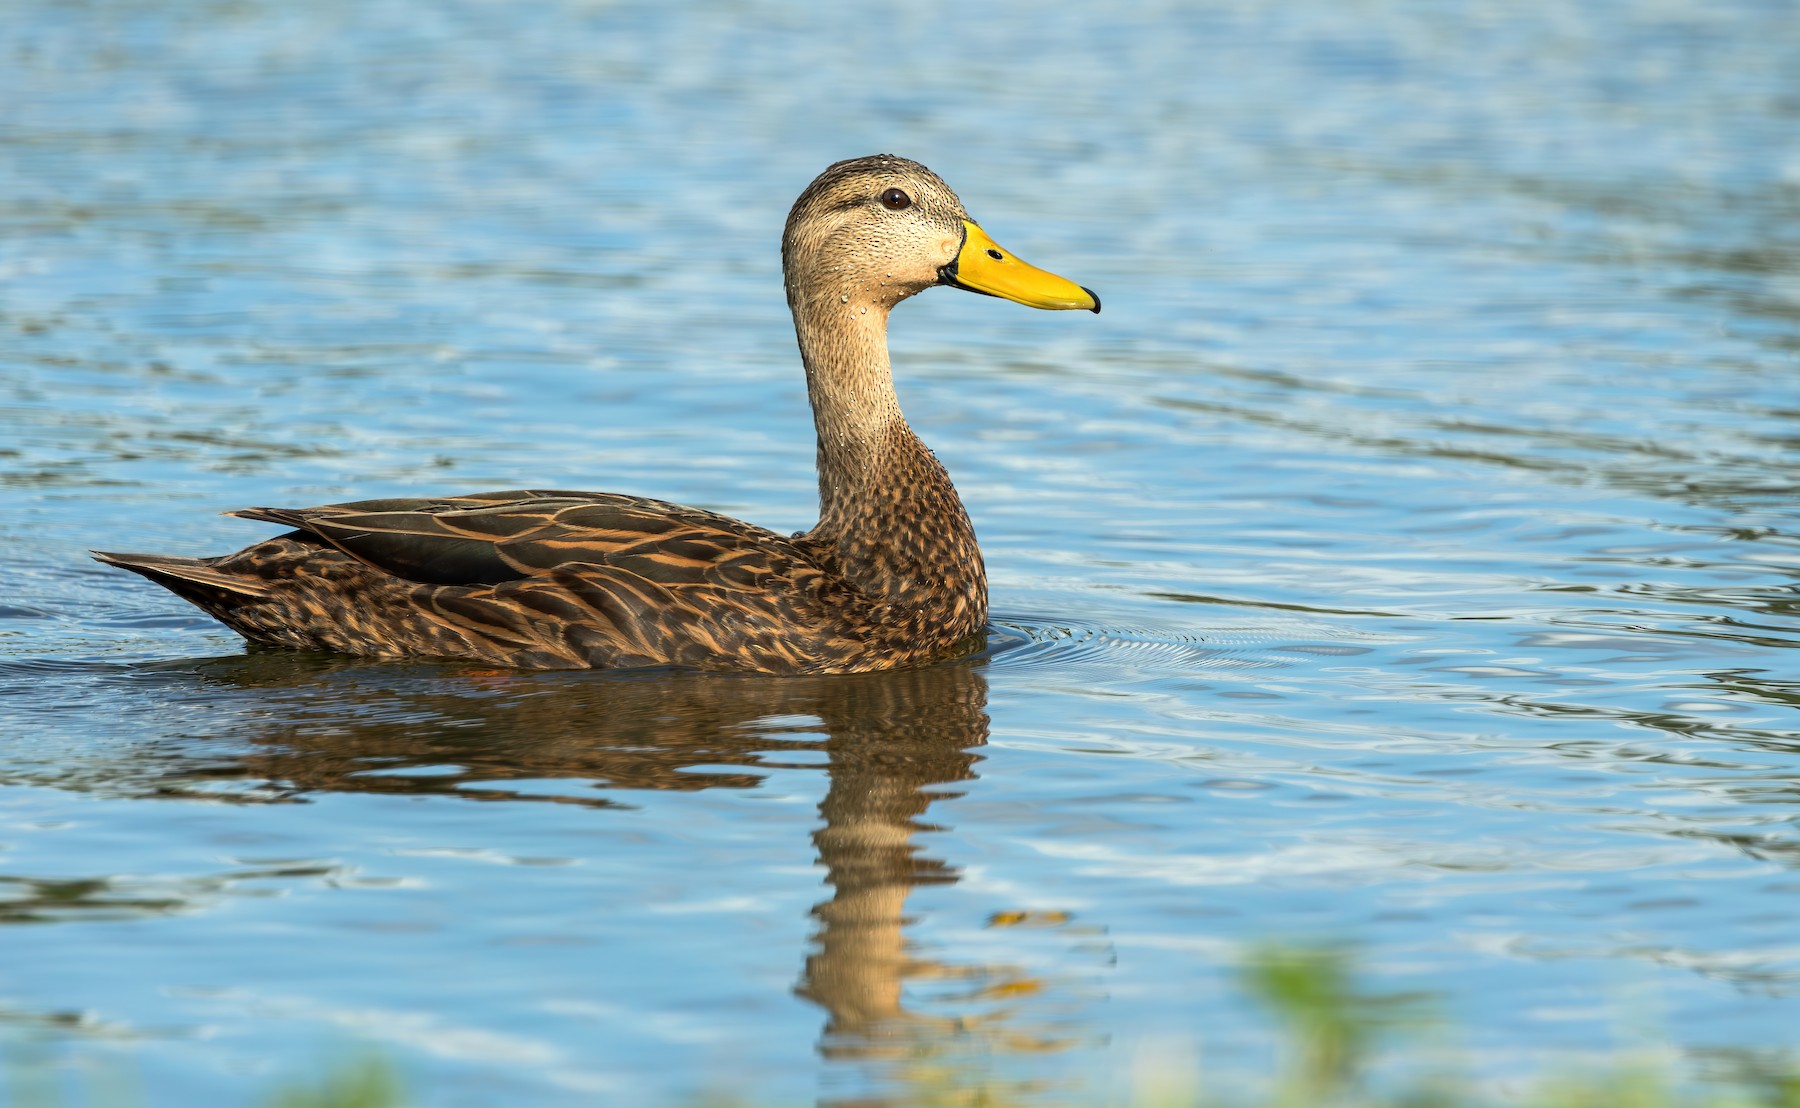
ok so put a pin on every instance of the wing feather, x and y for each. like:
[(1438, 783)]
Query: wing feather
[(543, 578), (487, 539)]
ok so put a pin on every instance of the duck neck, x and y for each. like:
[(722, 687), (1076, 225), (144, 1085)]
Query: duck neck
[(887, 510), (855, 412)]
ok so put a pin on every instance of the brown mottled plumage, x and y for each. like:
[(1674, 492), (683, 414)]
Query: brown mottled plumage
[(891, 575)]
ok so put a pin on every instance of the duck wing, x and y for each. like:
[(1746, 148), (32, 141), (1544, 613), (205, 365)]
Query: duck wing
[(551, 578), (494, 538)]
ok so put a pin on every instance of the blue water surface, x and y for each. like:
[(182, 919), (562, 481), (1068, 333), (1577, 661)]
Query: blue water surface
[(1407, 558)]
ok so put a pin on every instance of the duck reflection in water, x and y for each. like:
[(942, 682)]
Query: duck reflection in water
[(892, 740)]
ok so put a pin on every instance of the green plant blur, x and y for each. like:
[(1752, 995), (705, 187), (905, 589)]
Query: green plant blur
[(1333, 1036)]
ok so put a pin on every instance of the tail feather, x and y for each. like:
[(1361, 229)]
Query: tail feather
[(287, 517), (182, 574)]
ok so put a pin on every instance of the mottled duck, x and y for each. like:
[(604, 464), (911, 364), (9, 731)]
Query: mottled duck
[(891, 575)]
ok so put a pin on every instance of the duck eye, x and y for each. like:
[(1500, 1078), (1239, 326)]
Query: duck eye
[(895, 200)]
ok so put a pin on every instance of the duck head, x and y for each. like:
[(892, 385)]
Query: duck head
[(870, 232)]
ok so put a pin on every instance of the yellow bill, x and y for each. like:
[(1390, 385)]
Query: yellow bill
[(983, 267)]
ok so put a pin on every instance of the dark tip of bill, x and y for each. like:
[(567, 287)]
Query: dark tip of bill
[(1096, 296)]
